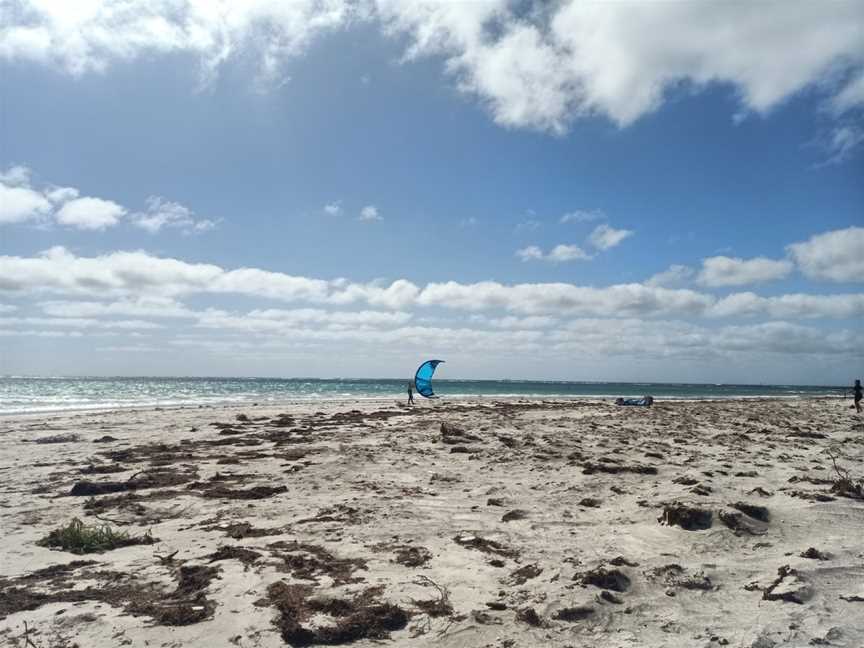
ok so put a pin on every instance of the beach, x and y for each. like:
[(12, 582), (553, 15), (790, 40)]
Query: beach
[(488, 522)]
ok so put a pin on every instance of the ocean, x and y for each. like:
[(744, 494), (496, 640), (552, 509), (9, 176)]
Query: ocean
[(20, 395)]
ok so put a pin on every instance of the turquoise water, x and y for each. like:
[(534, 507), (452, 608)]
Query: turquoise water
[(24, 395)]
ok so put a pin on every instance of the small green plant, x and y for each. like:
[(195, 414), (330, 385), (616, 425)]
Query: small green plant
[(79, 538), (844, 484)]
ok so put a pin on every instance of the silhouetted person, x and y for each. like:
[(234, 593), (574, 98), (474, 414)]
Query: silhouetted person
[(410, 394), (857, 395)]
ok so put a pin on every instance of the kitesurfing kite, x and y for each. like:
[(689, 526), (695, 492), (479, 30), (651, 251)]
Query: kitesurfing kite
[(423, 378)]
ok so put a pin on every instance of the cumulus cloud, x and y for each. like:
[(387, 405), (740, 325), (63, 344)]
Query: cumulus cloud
[(334, 208), (82, 37), (664, 338), (604, 237), (834, 256), (748, 304), (59, 195), (155, 307), (621, 300), (142, 284), (582, 216), (539, 66), (558, 254), (20, 202), (16, 175), (78, 323), (90, 213), (674, 275), (546, 67), (163, 213), (290, 321), (728, 271), (369, 214)]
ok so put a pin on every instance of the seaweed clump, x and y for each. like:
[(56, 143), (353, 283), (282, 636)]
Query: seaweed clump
[(364, 616)]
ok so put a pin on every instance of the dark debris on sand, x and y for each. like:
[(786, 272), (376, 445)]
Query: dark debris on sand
[(573, 614), (363, 616), (690, 518), (228, 552), (412, 556), (591, 467), (186, 604), (610, 579), (485, 545), (674, 575), (306, 561)]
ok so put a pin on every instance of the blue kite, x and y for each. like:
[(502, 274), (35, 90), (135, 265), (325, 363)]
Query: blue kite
[(423, 378)]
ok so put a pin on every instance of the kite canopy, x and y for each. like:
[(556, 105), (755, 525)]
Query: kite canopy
[(423, 378)]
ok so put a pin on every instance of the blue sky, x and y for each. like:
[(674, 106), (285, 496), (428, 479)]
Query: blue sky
[(545, 195)]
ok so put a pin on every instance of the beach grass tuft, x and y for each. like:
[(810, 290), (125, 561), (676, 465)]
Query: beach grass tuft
[(79, 538)]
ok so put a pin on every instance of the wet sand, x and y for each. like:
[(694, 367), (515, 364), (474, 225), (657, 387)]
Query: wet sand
[(471, 523)]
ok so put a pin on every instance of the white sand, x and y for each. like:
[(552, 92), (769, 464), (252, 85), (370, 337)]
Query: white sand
[(378, 483)]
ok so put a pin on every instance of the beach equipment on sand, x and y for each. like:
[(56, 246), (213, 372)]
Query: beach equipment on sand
[(645, 401), (423, 378)]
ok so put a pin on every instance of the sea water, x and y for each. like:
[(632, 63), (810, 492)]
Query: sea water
[(20, 395)]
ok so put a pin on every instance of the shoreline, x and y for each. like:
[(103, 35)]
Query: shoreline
[(373, 400)]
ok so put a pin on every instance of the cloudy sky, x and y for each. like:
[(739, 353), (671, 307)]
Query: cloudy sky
[(604, 190)]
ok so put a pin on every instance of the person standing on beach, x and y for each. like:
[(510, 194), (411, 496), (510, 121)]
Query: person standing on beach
[(410, 394), (857, 395)]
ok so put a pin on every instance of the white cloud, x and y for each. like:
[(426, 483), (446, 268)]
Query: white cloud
[(369, 214), (291, 321), (90, 213), (7, 308), (21, 204), (540, 67), (40, 333), (842, 142), (675, 275), (81, 37), (78, 323), (562, 253), (16, 176), (334, 208), (530, 253), (146, 286), (558, 254), (544, 68), (851, 96), (621, 300), (164, 213), (515, 323), (142, 307), (604, 237), (728, 271), (748, 304), (836, 256), (583, 216), (665, 338), (61, 194)]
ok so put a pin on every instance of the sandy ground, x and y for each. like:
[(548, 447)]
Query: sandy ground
[(522, 523)]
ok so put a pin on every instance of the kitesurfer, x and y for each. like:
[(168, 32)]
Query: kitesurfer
[(410, 394), (857, 395)]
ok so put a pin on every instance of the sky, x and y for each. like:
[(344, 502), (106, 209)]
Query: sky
[(571, 190)]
